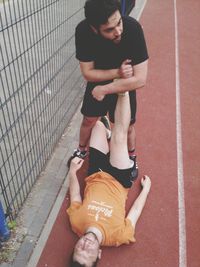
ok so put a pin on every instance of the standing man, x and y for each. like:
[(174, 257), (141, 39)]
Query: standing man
[(100, 219), (113, 58)]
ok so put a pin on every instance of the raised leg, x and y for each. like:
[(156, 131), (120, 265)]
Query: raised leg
[(98, 138), (119, 156)]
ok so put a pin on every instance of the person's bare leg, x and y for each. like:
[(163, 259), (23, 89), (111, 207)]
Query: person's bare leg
[(85, 131), (119, 156), (138, 205), (131, 149), (98, 138), (131, 139)]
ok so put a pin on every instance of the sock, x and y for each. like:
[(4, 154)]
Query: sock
[(132, 163)]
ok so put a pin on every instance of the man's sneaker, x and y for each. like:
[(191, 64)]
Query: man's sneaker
[(77, 153), (106, 122), (134, 172)]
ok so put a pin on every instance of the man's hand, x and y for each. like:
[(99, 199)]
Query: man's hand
[(146, 182), (126, 69), (98, 93), (76, 164)]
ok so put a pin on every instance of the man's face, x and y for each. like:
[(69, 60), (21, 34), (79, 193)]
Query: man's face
[(87, 250), (112, 30)]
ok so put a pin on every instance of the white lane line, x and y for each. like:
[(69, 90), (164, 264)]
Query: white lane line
[(181, 198)]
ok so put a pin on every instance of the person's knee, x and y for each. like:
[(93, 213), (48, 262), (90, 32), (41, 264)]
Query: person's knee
[(131, 129), (98, 127), (89, 121), (131, 133)]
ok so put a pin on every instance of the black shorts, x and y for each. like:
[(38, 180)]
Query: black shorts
[(99, 161), (94, 108)]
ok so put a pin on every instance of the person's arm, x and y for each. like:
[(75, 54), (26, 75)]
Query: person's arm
[(74, 187), (121, 85), (138, 205), (97, 75)]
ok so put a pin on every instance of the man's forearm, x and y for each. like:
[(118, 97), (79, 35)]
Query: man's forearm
[(74, 187), (97, 75), (138, 206), (123, 85), (137, 80), (118, 86)]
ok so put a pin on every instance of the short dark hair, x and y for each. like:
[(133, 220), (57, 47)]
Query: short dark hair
[(74, 263), (97, 12)]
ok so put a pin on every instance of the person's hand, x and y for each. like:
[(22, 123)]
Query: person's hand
[(126, 69), (76, 164), (97, 92), (146, 182)]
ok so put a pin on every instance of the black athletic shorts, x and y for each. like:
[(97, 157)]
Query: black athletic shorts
[(99, 161), (94, 108)]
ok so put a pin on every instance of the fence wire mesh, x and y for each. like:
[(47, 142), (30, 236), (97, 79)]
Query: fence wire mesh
[(40, 88)]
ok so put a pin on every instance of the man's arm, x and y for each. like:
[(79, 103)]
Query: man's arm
[(139, 203), (74, 187), (137, 80), (96, 75)]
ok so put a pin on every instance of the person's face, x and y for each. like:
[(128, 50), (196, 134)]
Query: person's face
[(113, 29), (87, 250)]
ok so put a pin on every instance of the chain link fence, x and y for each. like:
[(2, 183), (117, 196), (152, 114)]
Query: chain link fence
[(40, 88)]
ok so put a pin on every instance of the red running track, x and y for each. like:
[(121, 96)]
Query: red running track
[(168, 233)]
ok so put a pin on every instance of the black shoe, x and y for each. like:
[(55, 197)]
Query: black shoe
[(134, 172), (77, 153), (106, 122)]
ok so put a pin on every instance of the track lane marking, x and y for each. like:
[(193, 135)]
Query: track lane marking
[(181, 195)]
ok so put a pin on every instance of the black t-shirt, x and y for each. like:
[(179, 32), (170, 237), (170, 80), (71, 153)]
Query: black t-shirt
[(105, 53)]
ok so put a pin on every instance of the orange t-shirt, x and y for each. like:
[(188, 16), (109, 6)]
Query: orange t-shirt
[(103, 207)]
